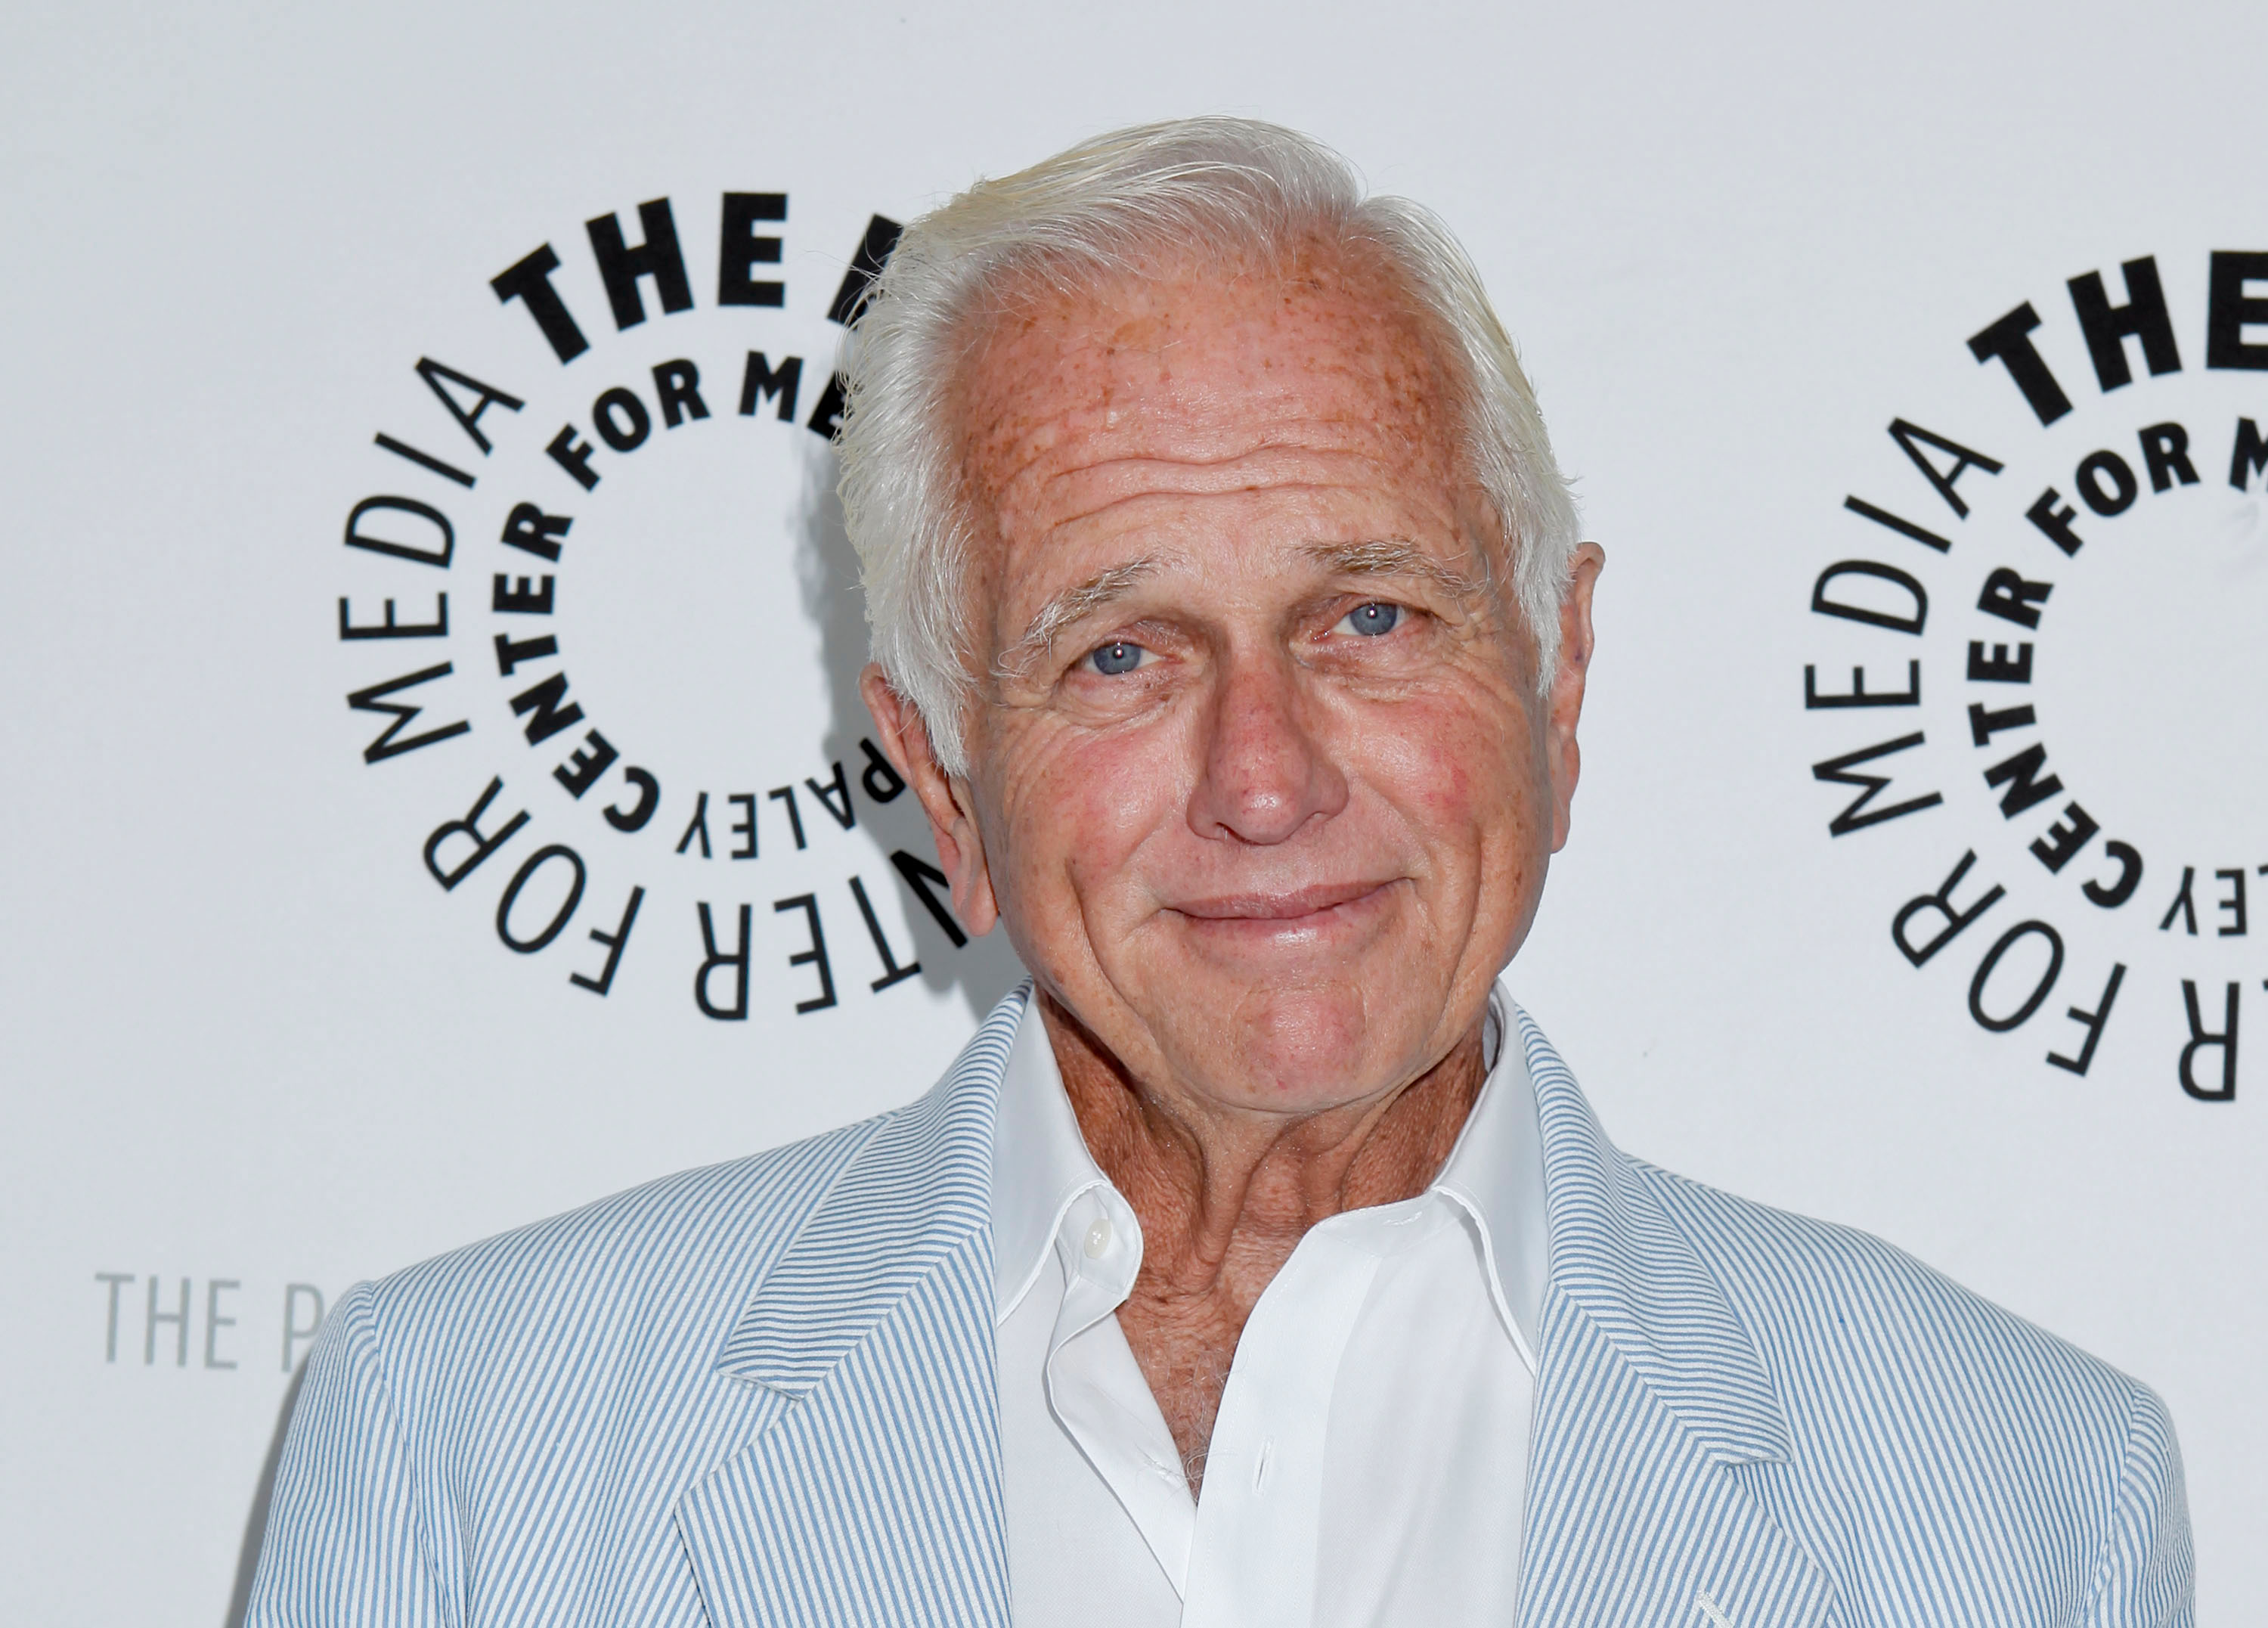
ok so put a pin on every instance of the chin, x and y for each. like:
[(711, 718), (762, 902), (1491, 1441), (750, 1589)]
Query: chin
[(1305, 1044)]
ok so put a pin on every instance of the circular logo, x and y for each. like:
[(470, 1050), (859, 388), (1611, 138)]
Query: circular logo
[(2043, 654), (604, 606)]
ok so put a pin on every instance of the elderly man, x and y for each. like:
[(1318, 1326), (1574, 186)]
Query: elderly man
[(1259, 1262)]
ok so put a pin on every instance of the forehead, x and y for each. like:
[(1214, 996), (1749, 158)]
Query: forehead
[(1196, 364)]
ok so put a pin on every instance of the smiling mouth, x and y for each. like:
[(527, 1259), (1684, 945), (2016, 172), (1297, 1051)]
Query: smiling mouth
[(1299, 907)]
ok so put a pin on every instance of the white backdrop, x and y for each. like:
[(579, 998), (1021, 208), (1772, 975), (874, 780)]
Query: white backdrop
[(254, 1052)]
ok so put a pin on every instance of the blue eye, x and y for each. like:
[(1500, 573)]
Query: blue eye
[(1373, 619), (1117, 657)]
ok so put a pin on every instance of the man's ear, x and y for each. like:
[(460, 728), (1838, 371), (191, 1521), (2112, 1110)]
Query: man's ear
[(1565, 702), (944, 798)]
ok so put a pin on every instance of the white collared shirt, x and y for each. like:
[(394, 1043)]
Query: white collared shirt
[(1370, 1457)]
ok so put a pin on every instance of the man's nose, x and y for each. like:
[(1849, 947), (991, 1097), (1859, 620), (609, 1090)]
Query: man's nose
[(1267, 770)]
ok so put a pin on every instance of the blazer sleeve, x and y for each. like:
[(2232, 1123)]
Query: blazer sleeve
[(2144, 1578), (345, 1546)]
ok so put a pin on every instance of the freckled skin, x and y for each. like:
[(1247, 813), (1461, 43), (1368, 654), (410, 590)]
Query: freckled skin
[(1264, 879)]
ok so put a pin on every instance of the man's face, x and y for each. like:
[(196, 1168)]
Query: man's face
[(1259, 780)]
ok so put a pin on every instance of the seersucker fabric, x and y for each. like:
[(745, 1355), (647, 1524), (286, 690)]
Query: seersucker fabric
[(763, 1393)]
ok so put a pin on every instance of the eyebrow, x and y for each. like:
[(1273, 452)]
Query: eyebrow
[(1073, 604), (1396, 556)]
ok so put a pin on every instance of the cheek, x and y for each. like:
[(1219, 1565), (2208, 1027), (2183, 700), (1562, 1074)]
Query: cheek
[(1085, 806), (1463, 772)]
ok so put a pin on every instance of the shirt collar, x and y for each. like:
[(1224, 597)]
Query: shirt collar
[(1495, 1173), (1040, 1162)]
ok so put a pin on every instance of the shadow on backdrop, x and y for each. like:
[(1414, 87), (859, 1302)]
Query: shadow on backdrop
[(256, 1524), (827, 571), (982, 970)]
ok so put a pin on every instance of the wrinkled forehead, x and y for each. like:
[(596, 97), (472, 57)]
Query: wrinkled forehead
[(1200, 355)]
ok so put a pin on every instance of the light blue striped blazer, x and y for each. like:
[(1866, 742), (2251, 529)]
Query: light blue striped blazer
[(763, 1393)]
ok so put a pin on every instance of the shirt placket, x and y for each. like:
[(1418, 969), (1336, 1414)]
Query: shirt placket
[(1096, 1389), (1252, 1560)]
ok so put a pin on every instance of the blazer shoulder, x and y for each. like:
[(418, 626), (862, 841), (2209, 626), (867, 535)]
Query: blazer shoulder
[(1912, 1399), (669, 1250), (1845, 1321)]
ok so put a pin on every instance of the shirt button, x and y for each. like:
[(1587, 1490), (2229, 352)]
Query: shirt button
[(1098, 1239)]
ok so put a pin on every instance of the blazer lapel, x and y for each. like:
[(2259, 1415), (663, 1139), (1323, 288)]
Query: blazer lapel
[(873, 1494), (1656, 1424)]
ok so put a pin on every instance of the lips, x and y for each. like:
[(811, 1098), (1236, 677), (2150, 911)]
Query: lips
[(1287, 907)]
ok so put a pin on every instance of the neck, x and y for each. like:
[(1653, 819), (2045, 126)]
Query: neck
[(1224, 1196), (1202, 1175)]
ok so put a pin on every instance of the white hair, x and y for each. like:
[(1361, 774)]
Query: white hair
[(1110, 206)]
